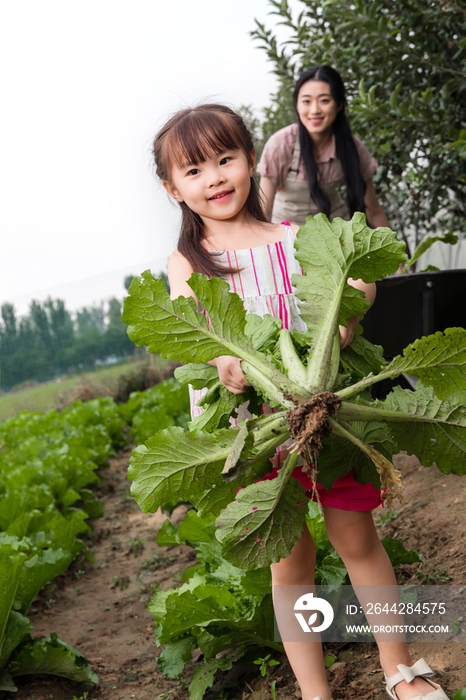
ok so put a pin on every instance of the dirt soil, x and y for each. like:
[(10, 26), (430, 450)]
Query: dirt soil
[(100, 608)]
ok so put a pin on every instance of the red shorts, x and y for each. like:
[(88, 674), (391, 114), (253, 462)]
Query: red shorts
[(346, 493)]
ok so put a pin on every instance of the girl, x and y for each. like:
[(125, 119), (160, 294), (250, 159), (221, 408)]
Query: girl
[(305, 165), (205, 159)]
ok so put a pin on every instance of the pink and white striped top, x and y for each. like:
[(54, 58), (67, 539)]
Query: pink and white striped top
[(264, 284)]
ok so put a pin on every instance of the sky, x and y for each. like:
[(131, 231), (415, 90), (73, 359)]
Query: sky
[(85, 87)]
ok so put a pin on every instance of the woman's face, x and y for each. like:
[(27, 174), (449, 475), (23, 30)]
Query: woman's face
[(317, 108)]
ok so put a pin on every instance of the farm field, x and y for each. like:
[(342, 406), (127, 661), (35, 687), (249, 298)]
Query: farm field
[(100, 608), (48, 395)]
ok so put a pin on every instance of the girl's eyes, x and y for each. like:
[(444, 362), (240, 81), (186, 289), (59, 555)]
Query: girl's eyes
[(223, 161)]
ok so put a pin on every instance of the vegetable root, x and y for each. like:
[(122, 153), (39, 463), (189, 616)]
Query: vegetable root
[(309, 423)]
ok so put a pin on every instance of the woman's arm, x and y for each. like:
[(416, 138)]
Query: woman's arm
[(268, 191), (374, 210)]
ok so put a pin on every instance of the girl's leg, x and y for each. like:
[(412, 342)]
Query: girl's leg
[(306, 658), (355, 538)]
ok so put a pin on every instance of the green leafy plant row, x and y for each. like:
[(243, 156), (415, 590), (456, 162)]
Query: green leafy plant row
[(47, 464)]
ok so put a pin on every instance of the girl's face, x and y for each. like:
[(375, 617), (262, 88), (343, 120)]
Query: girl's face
[(215, 189), (316, 107)]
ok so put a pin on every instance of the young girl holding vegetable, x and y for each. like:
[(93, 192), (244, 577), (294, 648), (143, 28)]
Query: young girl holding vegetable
[(205, 159)]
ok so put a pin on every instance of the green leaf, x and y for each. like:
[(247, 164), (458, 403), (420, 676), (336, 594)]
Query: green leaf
[(6, 682), (262, 333), (176, 464), (194, 528), (460, 694), (52, 656), (174, 656), (214, 500), (398, 553), (361, 358), (11, 562), (362, 92), (340, 456), (217, 414), (203, 676), (264, 522), (199, 375), (438, 360), (427, 243), (241, 448), (329, 253), (168, 535), (437, 433), (394, 96), (17, 628)]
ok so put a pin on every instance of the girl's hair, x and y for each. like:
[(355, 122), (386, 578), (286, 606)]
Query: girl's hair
[(346, 150), (192, 136)]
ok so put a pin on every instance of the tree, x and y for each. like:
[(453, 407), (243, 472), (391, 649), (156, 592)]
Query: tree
[(404, 65)]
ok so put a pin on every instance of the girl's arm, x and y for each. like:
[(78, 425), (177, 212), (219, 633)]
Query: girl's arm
[(229, 368), (268, 191), (179, 271), (374, 210), (347, 332)]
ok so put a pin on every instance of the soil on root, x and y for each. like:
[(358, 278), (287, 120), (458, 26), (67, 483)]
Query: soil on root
[(100, 608), (309, 423)]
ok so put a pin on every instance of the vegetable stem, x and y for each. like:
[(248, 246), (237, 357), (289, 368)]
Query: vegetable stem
[(293, 365)]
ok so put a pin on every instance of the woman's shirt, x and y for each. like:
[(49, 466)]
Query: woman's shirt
[(277, 155), (281, 162)]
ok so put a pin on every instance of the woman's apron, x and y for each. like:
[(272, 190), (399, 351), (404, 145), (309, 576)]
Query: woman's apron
[(293, 202)]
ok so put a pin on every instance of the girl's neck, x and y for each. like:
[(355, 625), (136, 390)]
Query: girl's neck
[(238, 233)]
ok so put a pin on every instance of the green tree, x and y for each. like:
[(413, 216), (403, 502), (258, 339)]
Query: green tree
[(404, 65)]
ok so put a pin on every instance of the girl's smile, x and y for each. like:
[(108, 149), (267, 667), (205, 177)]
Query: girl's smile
[(224, 195)]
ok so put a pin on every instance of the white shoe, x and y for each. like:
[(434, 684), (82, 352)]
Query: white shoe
[(408, 674)]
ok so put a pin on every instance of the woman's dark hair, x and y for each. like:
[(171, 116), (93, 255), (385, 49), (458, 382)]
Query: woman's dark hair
[(346, 150), (191, 136)]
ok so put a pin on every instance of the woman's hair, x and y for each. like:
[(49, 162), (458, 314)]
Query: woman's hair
[(346, 150), (192, 136)]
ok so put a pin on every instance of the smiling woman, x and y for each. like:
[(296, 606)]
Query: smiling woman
[(307, 166)]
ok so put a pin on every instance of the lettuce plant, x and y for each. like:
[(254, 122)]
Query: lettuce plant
[(319, 397)]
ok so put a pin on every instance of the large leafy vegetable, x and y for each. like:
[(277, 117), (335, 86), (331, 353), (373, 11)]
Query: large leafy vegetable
[(319, 395)]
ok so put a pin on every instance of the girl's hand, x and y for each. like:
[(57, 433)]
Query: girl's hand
[(347, 332), (230, 373)]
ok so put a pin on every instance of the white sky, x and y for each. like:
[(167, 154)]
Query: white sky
[(85, 87)]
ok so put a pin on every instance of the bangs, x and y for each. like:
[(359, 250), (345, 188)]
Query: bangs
[(201, 135)]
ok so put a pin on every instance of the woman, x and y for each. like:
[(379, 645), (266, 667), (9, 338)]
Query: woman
[(306, 167)]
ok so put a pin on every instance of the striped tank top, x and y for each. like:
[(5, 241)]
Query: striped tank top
[(264, 284)]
